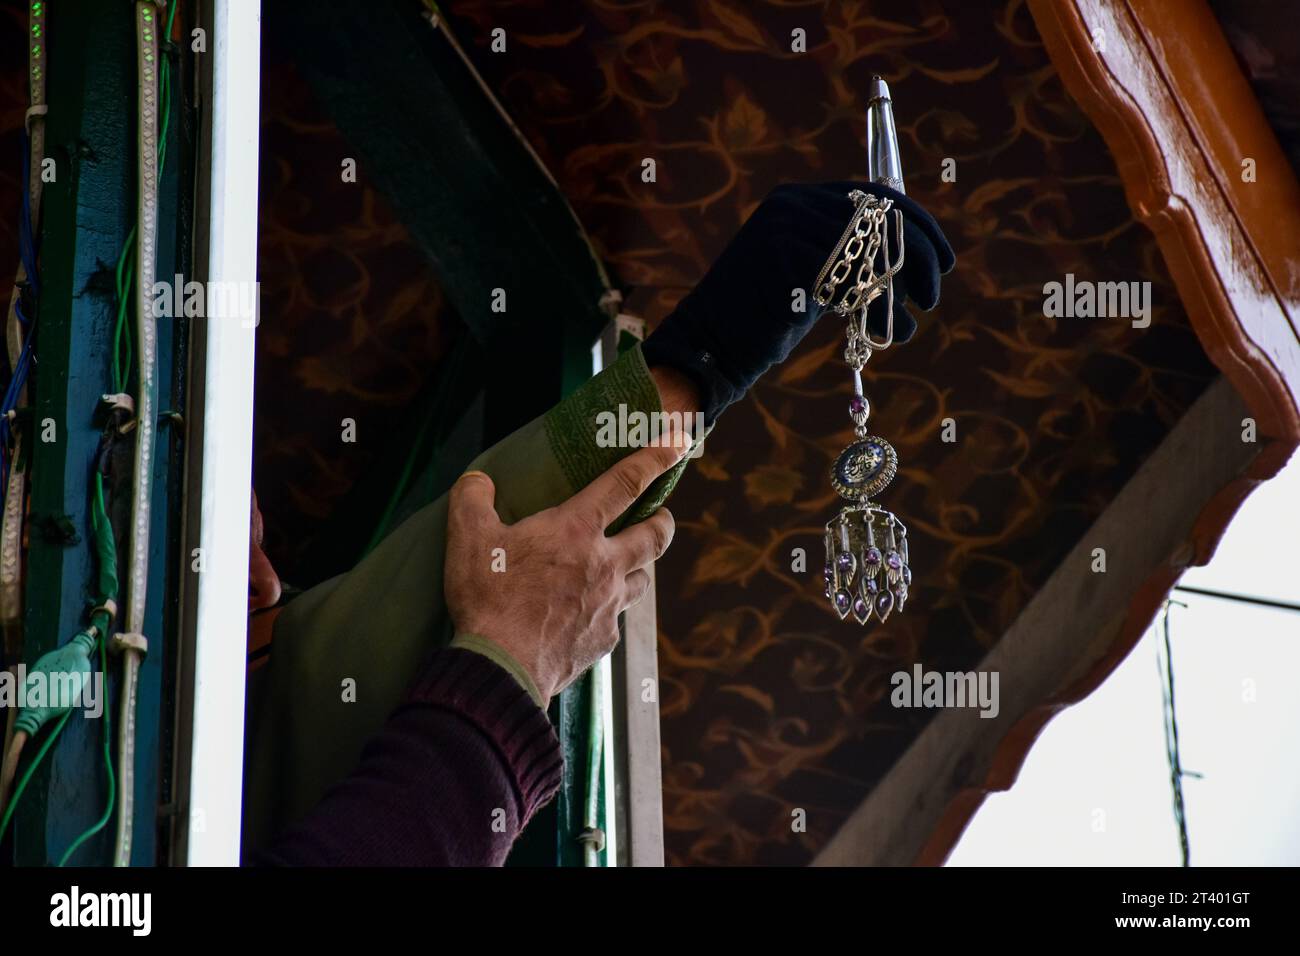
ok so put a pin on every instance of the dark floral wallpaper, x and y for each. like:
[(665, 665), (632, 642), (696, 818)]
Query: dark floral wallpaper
[(769, 702)]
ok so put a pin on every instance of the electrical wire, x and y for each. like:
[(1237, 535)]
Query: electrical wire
[(438, 21), (1241, 598), (18, 336), (132, 642), (100, 624), (101, 621), (27, 258), (108, 766), (106, 548), (13, 750), (31, 768), (125, 271), (27, 250), (1176, 771)]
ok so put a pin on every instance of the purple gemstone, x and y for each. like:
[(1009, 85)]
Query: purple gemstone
[(858, 405), (907, 575), (884, 603), (828, 589), (845, 562), (828, 573), (870, 585), (894, 561), (861, 610), (842, 601), (872, 556)]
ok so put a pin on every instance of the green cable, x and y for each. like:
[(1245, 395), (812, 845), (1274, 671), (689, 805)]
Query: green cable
[(100, 620), (108, 765), (106, 548), (125, 262), (31, 768), (164, 76)]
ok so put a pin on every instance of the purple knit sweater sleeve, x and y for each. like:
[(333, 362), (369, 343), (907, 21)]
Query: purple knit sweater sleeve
[(449, 780)]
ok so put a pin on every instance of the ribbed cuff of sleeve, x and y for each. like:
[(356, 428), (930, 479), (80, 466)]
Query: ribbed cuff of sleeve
[(497, 653), (487, 695)]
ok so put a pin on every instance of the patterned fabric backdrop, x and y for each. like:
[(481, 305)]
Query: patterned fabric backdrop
[(769, 702)]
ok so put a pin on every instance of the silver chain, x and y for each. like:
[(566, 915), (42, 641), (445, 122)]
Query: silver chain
[(864, 238)]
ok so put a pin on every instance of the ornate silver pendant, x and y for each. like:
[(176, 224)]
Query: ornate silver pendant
[(867, 573)]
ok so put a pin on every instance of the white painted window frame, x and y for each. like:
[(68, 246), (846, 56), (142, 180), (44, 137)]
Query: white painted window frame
[(213, 666)]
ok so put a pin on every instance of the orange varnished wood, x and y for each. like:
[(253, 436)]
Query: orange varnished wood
[(1170, 100), (1162, 86)]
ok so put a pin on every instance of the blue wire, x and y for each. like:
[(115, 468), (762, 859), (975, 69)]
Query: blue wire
[(19, 378), (10, 400), (27, 241), (27, 252)]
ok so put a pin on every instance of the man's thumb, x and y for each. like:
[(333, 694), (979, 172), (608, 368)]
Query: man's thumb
[(472, 501)]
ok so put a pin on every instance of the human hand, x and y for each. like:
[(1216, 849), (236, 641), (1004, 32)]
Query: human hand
[(548, 590), (738, 322)]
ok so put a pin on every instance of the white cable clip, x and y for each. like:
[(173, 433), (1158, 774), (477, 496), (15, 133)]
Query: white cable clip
[(40, 109), (128, 641), (126, 403), (109, 607)]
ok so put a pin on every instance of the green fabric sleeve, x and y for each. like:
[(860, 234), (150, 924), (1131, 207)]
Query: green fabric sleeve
[(345, 651), (503, 659)]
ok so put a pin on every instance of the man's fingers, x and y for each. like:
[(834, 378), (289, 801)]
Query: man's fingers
[(471, 503), (642, 544), (612, 493), (636, 587)]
